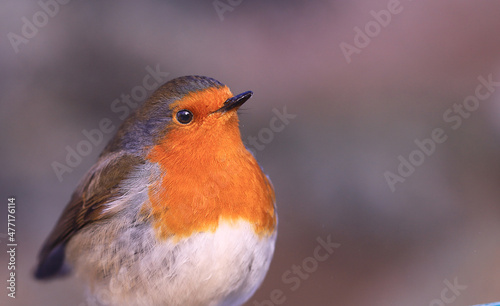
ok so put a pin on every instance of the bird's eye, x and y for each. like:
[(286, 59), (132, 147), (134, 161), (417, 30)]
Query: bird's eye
[(184, 116)]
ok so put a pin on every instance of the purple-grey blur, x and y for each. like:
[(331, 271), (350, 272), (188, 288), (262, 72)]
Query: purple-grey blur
[(390, 149)]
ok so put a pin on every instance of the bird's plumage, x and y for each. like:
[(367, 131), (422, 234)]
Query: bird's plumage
[(170, 201), (87, 205), (128, 148)]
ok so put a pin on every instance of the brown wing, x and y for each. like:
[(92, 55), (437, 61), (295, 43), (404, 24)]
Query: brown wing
[(99, 186)]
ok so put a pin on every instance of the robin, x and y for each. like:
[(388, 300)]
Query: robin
[(176, 211)]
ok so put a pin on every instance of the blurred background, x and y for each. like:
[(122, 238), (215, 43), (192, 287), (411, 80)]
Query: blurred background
[(365, 80)]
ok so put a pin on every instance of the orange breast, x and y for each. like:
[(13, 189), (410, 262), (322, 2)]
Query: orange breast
[(204, 182)]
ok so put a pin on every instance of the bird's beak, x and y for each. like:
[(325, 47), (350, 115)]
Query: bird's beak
[(235, 102)]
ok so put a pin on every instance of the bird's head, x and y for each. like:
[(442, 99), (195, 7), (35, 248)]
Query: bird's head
[(192, 113)]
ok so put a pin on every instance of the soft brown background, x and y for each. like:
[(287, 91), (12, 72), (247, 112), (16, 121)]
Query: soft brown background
[(353, 121)]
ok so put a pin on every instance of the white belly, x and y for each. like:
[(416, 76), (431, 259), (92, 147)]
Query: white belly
[(220, 268)]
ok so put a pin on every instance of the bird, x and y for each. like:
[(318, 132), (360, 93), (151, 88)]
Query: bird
[(176, 210)]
